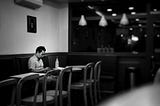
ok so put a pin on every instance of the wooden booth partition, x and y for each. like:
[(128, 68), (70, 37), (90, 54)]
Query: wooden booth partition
[(8, 68), (62, 57)]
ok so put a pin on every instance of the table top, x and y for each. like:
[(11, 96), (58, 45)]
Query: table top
[(27, 74), (77, 67), (74, 67)]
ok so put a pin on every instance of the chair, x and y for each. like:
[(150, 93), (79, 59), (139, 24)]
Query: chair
[(60, 92), (34, 99), (97, 72), (5, 85), (85, 83), (63, 81), (20, 85)]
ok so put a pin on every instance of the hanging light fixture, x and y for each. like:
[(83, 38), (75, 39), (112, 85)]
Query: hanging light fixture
[(103, 22), (82, 21), (124, 19)]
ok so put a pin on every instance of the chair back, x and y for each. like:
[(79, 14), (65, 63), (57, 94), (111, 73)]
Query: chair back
[(88, 73), (5, 85), (7, 82), (65, 78), (21, 82), (59, 76), (55, 76), (97, 70)]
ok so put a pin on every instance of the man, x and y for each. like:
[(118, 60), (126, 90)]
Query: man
[(35, 62)]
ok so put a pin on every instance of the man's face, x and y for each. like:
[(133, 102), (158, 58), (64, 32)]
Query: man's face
[(41, 54)]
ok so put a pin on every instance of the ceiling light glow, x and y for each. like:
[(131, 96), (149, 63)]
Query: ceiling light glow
[(109, 9), (133, 13), (131, 8), (114, 14)]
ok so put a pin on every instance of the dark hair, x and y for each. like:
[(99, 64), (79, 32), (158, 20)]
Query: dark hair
[(39, 49)]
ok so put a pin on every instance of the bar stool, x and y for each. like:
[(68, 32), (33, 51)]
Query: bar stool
[(132, 70), (97, 72), (85, 83)]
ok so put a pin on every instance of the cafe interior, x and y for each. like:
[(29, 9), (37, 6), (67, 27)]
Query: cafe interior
[(118, 41)]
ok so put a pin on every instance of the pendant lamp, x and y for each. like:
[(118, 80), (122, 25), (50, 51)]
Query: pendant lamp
[(103, 21), (124, 19), (82, 21)]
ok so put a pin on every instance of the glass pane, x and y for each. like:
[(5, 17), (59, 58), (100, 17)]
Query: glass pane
[(155, 13), (111, 38)]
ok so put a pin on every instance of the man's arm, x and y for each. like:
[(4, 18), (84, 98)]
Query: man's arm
[(41, 70), (32, 66)]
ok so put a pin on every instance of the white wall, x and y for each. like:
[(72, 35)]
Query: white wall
[(52, 28), (63, 28)]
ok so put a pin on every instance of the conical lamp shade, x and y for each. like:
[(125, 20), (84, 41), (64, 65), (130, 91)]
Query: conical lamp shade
[(103, 22), (82, 21), (124, 19)]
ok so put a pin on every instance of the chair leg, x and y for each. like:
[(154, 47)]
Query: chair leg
[(95, 93), (13, 97), (69, 99), (61, 101), (91, 96), (85, 97), (99, 92)]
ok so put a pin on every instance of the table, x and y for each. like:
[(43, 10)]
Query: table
[(77, 67), (26, 74)]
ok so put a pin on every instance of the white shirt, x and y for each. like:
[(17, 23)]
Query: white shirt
[(35, 63)]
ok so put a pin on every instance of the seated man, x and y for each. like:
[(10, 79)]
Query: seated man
[(35, 62)]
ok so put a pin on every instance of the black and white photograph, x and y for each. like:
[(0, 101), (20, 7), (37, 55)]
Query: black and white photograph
[(79, 53)]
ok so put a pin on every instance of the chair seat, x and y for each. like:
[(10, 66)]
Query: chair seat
[(52, 92), (29, 100), (90, 81), (79, 85)]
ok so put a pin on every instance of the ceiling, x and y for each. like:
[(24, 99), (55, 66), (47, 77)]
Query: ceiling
[(71, 1), (138, 3), (66, 1)]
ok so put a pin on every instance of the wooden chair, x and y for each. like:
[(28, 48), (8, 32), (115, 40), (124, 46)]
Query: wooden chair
[(34, 100), (20, 85), (85, 83), (5, 84), (97, 72), (65, 92), (59, 92)]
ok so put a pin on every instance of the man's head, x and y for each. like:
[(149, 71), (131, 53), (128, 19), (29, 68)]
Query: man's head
[(40, 51)]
